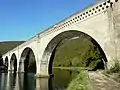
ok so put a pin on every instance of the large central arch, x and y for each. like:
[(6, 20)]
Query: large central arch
[(27, 61), (61, 38)]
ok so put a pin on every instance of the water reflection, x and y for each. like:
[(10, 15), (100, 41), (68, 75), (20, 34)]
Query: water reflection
[(21, 81), (42, 84)]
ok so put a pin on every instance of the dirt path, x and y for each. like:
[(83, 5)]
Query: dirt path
[(101, 82)]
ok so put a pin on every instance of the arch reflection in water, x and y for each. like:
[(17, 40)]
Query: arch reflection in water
[(25, 82), (1, 81), (13, 81), (21, 81), (58, 82), (7, 81)]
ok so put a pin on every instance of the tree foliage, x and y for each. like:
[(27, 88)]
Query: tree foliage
[(77, 53)]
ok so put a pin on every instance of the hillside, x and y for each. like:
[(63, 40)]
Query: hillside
[(77, 53), (8, 45)]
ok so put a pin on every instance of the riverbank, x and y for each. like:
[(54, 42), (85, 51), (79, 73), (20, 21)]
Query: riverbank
[(81, 82), (94, 80), (97, 80), (72, 68)]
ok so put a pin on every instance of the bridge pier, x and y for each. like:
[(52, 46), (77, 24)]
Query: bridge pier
[(10, 68), (42, 70), (10, 71), (20, 68), (39, 75), (42, 74), (112, 42)]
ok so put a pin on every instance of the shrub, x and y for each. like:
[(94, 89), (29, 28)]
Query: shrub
[(115, 68), (81, 82)]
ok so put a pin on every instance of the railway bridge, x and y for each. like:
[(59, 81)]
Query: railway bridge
[(99, 22)]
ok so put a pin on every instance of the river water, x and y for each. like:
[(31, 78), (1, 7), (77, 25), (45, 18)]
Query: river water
[(21, 81)]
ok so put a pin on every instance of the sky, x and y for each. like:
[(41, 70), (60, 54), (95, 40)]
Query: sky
[(23, 19)]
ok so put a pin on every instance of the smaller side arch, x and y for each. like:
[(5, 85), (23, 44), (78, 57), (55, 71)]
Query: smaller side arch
[(1, 61), (6, 63), (27, 61), (13, 62)]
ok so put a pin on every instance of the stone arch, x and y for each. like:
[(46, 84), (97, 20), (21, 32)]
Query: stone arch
[(27, 61), (49, 52), (13, 62), (6, 62)]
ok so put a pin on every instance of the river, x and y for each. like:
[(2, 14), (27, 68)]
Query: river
[(21, 81)]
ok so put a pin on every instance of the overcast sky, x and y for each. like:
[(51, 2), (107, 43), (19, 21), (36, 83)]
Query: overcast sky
[(23, 19)]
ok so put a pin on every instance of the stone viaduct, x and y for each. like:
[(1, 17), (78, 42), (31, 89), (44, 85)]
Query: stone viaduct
[(100, 22)]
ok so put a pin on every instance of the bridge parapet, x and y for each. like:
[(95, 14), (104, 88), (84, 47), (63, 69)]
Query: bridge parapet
[(28, 42), (80, 16)]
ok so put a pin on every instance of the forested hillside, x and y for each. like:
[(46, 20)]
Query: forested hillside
[(77, 53), (8, 45)]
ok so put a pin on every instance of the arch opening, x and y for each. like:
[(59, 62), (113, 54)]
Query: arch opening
[(27, 62), (66, 40), (1, 61), (13, 63), (6, 63)]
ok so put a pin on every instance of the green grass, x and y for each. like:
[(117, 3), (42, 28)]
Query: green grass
[(81, 82), (8, 45)]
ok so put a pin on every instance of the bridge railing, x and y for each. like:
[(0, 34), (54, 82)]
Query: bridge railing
[(79, 16)]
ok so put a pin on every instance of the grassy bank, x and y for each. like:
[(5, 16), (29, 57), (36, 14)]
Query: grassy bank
[(81, 82)]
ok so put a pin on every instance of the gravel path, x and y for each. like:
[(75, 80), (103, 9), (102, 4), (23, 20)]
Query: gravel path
[(101, 82)]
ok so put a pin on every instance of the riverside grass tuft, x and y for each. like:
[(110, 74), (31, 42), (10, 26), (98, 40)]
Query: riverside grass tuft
[(81, 82), (115, 68), (114, 71)]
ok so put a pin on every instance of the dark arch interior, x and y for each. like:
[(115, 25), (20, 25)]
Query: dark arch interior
[(6, 62), (65, 37), (13, 62), (1, 61), (29, 61)]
